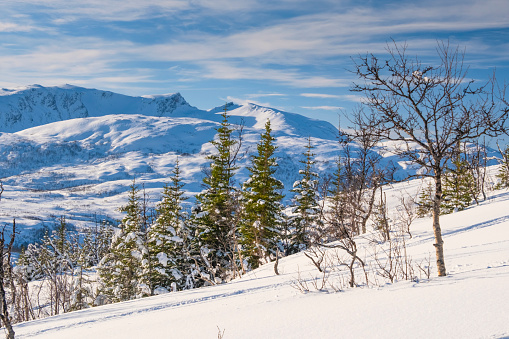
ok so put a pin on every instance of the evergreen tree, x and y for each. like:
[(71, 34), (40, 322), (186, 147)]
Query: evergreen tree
[(216, 214), (336, 196), (262, 205), (52, 256), (306, 221), (122, 270), (96, 243), (425, 202), (458, 190), (381, 221), (168, 238), (503, 172), (81, 289)]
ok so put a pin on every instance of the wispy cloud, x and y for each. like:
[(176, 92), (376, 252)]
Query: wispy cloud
[(134, 45), (352, 97), (347, 97), (13, 27), (224, 70), (263, 95), (324, 108), (321, 96)]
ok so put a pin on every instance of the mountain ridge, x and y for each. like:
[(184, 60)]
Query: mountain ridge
[(71, 154), (36, 105)]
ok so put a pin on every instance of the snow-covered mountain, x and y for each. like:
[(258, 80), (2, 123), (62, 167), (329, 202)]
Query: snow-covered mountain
[(36, 105), (73, 151)]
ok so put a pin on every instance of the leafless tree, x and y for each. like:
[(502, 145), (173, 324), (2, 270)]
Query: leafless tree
[(5, 276), (363, 174), (406, 213), (477, 160), (427, 110)]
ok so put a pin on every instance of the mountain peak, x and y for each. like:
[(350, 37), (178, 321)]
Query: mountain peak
[(36, 105)]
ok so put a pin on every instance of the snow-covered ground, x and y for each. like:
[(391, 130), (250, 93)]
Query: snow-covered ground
[(471, 302)]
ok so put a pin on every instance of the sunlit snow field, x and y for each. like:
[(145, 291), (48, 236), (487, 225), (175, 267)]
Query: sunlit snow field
[(471, 302)]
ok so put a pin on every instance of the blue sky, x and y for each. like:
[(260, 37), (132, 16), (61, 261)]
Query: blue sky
[(288, 54)]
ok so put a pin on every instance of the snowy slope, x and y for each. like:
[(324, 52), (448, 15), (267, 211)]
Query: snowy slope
[(471, 302)]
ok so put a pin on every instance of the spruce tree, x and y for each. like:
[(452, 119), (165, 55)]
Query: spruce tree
[(122, 270), (458, 190), (336, 196), (216, 214), (262, 204), (168, 237), (96, 243), (503, 172), (306, 221), (425, 201)]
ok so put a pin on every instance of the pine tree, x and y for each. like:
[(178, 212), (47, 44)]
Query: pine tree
[(307, 221), (216, 214), (458, 187), (96, 243), (336, 221), (381, 221), (503, 172), (168, 238), (81, 289), (425, 201), (262, 204), (122, 270)]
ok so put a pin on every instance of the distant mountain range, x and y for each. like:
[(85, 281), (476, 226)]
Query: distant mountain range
[(74, 151)]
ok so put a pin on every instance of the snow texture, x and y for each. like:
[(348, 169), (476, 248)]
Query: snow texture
[(471, 302)]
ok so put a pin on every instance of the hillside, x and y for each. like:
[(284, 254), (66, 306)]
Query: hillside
[(471, 302)]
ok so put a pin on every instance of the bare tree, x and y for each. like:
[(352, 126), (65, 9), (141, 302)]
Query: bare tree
[(427, 110), (5, 275)]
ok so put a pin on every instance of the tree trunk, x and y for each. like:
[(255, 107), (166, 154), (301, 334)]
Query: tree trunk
[(439, 243), (4, 313)]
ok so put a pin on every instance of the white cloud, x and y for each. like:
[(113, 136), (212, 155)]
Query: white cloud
[(321, 96), (352, 97), (111, 10), (287, 51), (263, 95), (13, 27), (225, 70), (325, 108), (347, 97), (130, 10)]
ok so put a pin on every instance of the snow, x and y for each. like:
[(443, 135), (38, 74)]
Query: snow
[(162, 258), (470, 302)]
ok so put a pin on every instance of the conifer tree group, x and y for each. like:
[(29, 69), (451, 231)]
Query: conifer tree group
[(231, 229)]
